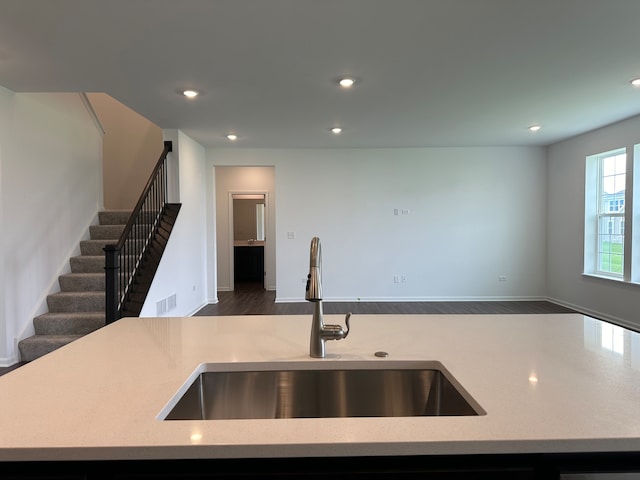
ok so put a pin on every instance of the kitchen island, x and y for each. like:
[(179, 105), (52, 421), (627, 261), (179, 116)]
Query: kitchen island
[(560, 392)]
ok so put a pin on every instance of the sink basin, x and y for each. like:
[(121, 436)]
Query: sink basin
[(320, 390)]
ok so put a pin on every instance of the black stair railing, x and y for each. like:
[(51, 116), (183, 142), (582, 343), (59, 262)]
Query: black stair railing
[(123, 259)]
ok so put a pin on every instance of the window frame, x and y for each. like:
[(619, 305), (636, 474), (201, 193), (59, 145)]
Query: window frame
[(597, 210)]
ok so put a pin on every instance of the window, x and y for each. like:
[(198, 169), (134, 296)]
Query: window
[(616, 205), (605, 213)]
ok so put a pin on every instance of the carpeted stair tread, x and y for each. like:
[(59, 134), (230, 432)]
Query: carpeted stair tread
[(105, 232), (114, 217), (87, 264), (68, 323), (36, 346), (94, 247), (76, 302), (82, 282)]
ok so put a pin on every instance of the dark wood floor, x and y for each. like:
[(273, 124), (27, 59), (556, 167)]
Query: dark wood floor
[(252, 299), (4, 370)]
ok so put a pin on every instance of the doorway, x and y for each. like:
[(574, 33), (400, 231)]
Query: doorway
[(248, 218), (243, 180)]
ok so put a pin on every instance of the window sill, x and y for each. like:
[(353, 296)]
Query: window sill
[(610, 279)]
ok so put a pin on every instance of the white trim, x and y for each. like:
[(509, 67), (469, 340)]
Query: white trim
[(597, 314), (414, 299), (231, 253), (197, 309), (248, 196), (267, 235), (92, 113), (8, 361), (619, 280), (593, 214)]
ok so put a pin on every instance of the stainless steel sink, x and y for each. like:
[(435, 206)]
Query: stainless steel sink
[(337, 389)]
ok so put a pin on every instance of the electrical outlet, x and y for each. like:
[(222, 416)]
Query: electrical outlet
[(396, 279), (502, 278), (403, 279)]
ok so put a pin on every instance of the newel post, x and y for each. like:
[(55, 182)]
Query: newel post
[(111, 267)]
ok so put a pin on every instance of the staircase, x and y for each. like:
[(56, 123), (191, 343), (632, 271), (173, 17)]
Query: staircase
[(79, 307)]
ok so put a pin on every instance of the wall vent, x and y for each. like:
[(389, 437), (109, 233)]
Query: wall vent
[(161, 307), (171, 302), (166, 304)]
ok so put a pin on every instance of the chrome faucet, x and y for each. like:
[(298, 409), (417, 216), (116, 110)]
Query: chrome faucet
[(319, 331)]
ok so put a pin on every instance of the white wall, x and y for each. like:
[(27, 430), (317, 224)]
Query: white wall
[(51, 190), (182, 270), (7, 355), (603, 298), (243, 180), (474, 214)]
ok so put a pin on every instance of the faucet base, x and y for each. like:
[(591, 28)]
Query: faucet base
[(316, 344)]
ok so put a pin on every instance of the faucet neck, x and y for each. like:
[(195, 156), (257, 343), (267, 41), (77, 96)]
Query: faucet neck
[(315, 253), (319, 331)]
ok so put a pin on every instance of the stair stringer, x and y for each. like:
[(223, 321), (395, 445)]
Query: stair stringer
[(150, 262)]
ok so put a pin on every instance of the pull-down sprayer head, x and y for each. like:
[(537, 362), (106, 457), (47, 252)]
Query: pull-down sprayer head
[(314, 279)]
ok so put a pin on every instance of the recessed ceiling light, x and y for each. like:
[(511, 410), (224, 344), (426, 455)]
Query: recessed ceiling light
[(346, 82), (635, 82), (535, 128), (336, 130), (232, 136), (190, 93)]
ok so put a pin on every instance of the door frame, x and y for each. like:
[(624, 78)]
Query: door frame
[(267, 234)]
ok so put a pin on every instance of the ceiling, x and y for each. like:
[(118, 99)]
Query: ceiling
[(430, 72)]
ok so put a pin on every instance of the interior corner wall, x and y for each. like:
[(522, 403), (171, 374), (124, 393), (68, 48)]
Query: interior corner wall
[(51, 191), (132, 146), (182, 270), (607, 299), (411, 224)]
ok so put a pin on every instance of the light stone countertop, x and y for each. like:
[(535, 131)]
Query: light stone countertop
[(98, 398)]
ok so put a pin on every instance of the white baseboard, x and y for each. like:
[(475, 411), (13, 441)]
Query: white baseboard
[(596, 314), (8, 361), (415, 299), (196, 310)]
